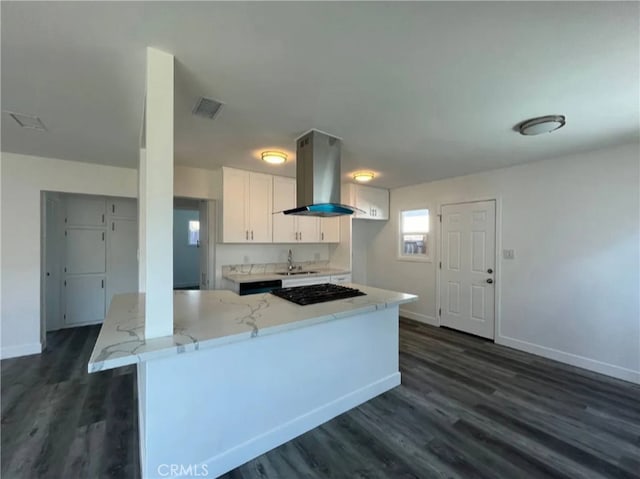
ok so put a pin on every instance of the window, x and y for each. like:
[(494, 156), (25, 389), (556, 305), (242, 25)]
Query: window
[(194, 233), (414, 235)]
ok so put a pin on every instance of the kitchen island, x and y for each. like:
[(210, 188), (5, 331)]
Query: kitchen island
[(244, 374)]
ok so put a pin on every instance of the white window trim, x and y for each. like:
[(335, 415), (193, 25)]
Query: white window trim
[(428, 258)]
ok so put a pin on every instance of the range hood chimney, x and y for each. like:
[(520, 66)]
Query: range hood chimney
[(318, 176)]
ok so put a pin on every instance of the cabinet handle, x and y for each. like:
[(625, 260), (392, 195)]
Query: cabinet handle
[(113, 226), (251, 235), (246, 235), (322, 236), (300, 235), (103, 219), (297, 235), (102, 284), (113, 208), (103, 236)]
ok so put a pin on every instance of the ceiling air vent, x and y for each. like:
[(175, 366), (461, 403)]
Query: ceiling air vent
[(27, 121), (207, 108)]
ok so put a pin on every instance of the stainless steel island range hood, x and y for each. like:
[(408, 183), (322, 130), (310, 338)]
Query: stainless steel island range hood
[(318, 176)]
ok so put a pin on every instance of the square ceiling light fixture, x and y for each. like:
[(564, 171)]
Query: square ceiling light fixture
[(27, 121)]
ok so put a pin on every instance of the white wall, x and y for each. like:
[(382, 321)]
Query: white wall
[(572, 291), (23, 180), (186, 258)]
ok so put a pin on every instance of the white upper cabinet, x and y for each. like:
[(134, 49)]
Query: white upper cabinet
[(246, 207), (373, 201), (289, 228), (330, 230)]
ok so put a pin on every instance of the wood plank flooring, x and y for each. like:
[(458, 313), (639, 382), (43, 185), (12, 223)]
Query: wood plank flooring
[(466, 409)]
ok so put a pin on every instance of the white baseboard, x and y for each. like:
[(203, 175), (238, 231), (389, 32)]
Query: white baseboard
[(21, 350), (422, 318), (572, 359), (256, 446)]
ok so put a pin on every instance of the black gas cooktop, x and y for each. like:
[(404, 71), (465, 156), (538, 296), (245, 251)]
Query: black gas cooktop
[(316, 293)]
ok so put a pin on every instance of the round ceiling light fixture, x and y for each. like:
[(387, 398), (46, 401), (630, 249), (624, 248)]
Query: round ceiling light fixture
[(274, 157), (541, 124), (363, 176)]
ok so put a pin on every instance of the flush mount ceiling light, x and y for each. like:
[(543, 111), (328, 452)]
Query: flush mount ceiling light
[(27, 121), (274, 157), (541, 124), (363, 176)]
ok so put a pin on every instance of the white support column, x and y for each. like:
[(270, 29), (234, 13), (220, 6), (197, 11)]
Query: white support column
[(156, 195)]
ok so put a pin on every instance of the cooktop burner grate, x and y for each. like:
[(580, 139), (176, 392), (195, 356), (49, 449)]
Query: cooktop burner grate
[(316, 293)]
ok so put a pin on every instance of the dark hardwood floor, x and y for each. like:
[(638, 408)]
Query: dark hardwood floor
[(466, 409)]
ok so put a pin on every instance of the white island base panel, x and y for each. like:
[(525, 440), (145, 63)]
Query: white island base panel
[(216, 409)]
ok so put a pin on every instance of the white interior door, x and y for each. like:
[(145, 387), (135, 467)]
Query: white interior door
[(86, 251), (85, 299), (467, 277), (203, 244), (123, 261)]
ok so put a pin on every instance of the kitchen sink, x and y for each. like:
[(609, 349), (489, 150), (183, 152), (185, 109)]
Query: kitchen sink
[(296, 273)]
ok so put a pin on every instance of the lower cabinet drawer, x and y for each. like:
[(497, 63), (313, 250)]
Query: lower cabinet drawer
[(341, 278), (290, 283)]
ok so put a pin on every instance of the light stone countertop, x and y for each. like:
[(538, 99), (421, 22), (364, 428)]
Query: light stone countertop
[(206, 319), (250, 277)]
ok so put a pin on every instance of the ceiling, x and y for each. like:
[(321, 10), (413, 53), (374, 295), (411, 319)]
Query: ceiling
[(418, 91)]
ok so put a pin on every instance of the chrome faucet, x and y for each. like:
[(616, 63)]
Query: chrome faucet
[(290, 266)]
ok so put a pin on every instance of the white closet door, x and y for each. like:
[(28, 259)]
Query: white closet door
[(123, 261), (85, 211), (123, 208), (84, 299), (86, 251)]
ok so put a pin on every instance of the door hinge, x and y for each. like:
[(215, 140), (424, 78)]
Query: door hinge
[(439, 311)]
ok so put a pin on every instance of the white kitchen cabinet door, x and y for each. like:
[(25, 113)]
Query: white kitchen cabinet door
[(84, 300), (260, 208), (373, 201), (235, 205), (85, 211), (308, 229), (379, 203), (123, 208), (122, 261), (284, 198), (85, 251), (330, 230)]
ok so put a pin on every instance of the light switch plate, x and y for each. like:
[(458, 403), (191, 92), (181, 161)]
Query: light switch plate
[(508, 254)]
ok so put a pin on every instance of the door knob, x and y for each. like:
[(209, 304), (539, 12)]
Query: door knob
[(489, 281), (489, 271)]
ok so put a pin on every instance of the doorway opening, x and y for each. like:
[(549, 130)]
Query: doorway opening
[(190, 244), (89, 253)]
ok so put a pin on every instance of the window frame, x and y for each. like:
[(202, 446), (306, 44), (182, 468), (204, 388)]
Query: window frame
[(415, 258)]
